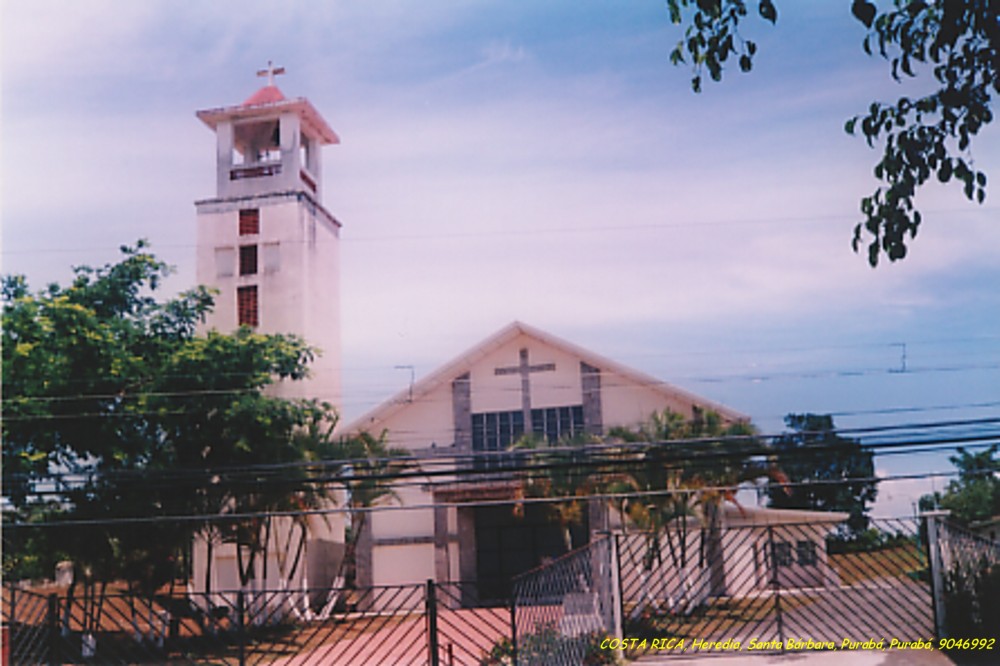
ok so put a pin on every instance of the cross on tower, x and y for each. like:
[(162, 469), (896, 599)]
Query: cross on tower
[(524, 368), (270, 72)]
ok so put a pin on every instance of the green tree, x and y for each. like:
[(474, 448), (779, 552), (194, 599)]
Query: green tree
[(690, 468), (975, 494), (564, 473), (838, 473), (113, 399), (922, 138), (366, 468)]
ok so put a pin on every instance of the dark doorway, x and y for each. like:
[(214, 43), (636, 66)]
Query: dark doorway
[(508, 545)]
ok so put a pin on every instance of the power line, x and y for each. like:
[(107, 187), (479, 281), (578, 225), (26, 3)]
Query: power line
[(216, 517), (677, 455), (984, 211)]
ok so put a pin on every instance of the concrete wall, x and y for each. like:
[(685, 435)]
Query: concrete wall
[(297, 278)]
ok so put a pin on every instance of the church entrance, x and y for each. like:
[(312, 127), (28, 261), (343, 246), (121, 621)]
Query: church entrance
[(508, 545)]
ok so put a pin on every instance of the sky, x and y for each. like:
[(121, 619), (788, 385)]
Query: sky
[(541, 162)]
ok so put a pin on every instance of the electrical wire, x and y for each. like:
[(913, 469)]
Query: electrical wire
[(333, 510)]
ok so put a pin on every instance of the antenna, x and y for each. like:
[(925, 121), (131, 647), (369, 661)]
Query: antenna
[(412, 375)]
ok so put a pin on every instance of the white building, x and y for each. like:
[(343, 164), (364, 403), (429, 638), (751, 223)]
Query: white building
[(519, 381), (271, 249), (265, 241)]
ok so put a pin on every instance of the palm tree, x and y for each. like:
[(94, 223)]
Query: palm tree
[(365, 471), (702, 467), (563, 474)]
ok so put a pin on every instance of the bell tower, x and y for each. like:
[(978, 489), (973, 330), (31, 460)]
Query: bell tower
[(265, 241)]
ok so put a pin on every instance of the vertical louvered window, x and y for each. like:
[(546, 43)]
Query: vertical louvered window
[(248, 260), (249, 221), (247, 310)]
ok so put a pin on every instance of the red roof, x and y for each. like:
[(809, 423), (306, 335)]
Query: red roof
[(266, 95)]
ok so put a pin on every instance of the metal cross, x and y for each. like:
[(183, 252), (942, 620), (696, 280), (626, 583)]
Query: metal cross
[(270, 72), (525, 369)]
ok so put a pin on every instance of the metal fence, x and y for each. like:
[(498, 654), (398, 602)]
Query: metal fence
[(967, 574), (766, 587), (562, 609), (760, 588), (401, 624)]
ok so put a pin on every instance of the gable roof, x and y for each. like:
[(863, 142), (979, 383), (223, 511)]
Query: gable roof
[(465, 361)]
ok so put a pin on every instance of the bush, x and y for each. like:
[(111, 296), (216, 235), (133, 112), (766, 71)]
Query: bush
[(972, 601), (546, 646)]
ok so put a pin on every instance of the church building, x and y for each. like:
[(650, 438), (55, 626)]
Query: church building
[(266, 242), (270, 247), (464, 417)]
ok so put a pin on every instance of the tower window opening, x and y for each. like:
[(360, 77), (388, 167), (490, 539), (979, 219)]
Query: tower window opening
[(258, 141), (248, 260), (249, 222), (247, 310)]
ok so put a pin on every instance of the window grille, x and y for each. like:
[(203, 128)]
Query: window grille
[(249, 221), (806, 553), (248, 313), (248, 260)]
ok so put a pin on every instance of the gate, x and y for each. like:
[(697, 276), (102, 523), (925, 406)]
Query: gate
[(776, 588), (760, 588)]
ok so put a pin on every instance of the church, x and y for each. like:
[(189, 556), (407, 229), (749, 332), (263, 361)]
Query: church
[(270, 247)]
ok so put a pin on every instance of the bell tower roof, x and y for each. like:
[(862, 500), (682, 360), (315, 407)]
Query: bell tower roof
[(268, 143), (269, 101), (266, 95)]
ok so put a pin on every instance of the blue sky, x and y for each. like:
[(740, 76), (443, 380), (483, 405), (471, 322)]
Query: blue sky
[(532, 161)]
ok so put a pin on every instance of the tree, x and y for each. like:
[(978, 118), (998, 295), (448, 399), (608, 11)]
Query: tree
[(365, 473), (115, 400), (831, 472), (690, 468), (564, 474), (975, 495), (929, 136)]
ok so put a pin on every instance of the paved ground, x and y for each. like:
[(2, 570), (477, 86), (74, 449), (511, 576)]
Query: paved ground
[(832, 658)]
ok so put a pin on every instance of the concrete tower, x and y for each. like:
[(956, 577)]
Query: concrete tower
[(265, 241)]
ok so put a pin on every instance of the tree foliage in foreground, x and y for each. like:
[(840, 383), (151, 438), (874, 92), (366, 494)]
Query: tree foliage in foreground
[(922, 138), (118, 408)]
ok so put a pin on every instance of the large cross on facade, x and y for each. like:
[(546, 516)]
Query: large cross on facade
[(524, 368), (270, 72)]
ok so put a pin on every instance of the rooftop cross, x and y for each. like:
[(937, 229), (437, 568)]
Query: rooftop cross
[(270, 72)]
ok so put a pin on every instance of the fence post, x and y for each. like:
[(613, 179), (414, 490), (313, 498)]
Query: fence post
[(513, 625), (240, 626), (432, 624), (52, 619), (776, 587), (617, 598), (936, 564)]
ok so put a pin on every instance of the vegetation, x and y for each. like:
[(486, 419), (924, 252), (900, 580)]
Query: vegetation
[(831, 472), (703, 467), (975, 494), (567, 477), (922, 138), (547, 645), (118, 414)]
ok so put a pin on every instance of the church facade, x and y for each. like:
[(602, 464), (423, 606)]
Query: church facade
[(463, 418)]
